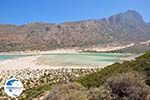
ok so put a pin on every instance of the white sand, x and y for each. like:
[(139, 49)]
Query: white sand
[(30, 62), (37, 52), (70, 50), (21, 63)]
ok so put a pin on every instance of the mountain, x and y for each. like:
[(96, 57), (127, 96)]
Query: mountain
[(123, 28)]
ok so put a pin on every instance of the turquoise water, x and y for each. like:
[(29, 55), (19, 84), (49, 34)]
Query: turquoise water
[(81, 58), (6, 57), (74, 58)]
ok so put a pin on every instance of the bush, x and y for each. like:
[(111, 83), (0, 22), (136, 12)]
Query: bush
[(129, 86), (69, 91), (141, 65), (101, 93), (148, 80)]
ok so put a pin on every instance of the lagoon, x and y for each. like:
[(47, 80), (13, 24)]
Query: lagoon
[(60, 60), (7, 57), (79, 59)]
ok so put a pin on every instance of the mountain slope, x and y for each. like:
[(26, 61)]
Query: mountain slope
[(120, 29)]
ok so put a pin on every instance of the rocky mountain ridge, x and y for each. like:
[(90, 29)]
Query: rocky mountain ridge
[(122, 29)]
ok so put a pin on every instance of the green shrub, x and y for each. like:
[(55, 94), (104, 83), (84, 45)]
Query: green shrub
[(129, 86), (141, 64), (69, 91), (101, 93)]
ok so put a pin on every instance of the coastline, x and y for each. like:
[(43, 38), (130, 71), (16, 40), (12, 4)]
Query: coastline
[(106, 48), (28, 69), (38, 52), (31, 62)]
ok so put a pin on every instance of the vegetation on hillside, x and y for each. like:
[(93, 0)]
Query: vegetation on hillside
[(36, 91), (126, 86), (69, 91), (141, 65), (127, 81)]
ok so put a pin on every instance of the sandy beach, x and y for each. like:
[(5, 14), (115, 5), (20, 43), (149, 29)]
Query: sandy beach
[(21, 63), (33, 70), (30, 62), (38, 52), (103, 48)]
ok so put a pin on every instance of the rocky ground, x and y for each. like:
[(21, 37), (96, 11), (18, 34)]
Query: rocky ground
[(37, 77)]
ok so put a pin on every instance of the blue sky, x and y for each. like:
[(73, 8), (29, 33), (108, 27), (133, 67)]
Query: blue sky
[(57, 11)]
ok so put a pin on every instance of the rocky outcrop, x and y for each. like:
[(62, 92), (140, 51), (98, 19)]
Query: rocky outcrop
[(123, 28)]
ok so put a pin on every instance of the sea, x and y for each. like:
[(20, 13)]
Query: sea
[(72, 59)]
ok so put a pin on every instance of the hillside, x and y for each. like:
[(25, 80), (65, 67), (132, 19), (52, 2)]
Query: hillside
[(121, 29), (131, 79), (140, 64)]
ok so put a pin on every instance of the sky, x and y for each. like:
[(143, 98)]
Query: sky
[(57, 11)]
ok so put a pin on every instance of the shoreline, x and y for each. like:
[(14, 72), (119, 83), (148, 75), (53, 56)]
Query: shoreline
[(103, 49), (31, 62), (38, 52)]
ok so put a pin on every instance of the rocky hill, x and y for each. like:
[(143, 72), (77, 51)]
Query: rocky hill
[(123, 28)]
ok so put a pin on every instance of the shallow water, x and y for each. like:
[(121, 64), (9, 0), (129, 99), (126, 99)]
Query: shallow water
[(94, 59), (6, 57)]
